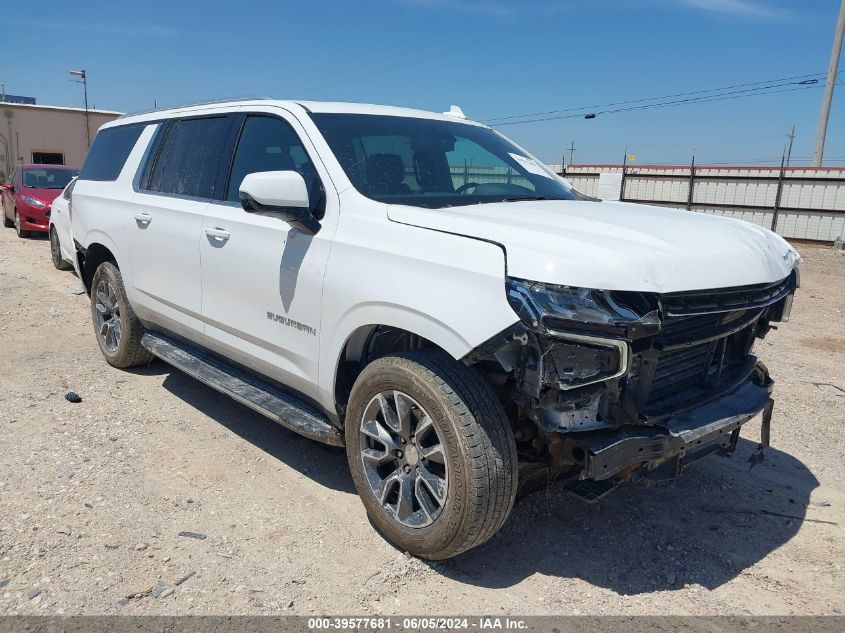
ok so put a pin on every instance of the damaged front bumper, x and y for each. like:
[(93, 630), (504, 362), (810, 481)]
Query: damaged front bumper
[(611, 385), (605, 454)]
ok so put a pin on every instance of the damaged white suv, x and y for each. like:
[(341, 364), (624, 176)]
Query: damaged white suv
[(421, 290)]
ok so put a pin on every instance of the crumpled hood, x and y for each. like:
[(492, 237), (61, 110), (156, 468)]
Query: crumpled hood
[(616, 245)]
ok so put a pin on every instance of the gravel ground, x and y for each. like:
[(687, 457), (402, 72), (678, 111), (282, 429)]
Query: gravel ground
[(156, 495)]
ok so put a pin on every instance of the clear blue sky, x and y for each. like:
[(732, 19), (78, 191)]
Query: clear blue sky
[(493, 58)]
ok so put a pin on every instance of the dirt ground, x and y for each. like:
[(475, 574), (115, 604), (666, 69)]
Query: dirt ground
[(94, 496)]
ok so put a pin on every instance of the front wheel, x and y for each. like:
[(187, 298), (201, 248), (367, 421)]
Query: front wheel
[(116, 326), (21, 232), (6, 221), (431, 452)]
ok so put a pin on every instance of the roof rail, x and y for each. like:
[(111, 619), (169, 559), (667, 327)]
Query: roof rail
[(193, 104)]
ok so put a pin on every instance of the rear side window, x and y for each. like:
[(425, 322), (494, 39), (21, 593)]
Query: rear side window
[(189, 157), (109, 152)]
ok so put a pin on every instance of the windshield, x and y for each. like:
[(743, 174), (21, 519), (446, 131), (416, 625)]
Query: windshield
[(435, 164), (48, 178)]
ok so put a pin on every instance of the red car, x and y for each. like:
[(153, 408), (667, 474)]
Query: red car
[(29, 194)]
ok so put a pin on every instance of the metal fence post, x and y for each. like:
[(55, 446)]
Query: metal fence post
[(777, 197), (624, 166), (691, 183)]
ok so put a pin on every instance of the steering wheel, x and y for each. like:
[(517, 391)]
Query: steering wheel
[(465, 186)]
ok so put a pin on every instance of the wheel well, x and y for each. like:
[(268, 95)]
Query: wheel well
[(363, 346), (90, 259)]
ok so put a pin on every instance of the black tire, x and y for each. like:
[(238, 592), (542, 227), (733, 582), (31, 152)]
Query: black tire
[(473, 430), (7, 222), (127, 352), (56, 251), (17, 224)]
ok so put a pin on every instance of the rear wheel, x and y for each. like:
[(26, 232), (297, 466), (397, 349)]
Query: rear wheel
[(21, 232), (56, 251), (116, 326), (431, 452)]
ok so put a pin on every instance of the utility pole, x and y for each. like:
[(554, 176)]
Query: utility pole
[(571, 150), (791, 137), (831, 80), (84, 76)]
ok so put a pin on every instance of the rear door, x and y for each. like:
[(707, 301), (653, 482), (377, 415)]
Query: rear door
[(171, 196), (261, 278)]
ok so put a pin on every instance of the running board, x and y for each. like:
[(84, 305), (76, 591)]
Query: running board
[(281, 407)]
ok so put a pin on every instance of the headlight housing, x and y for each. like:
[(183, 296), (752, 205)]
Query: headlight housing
[(586, 331), (579, 309), (34, 202), (580, 360)]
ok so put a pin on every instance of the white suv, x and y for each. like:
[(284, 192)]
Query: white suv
[(419, 289)]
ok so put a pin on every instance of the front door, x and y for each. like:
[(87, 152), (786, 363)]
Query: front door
[(261, 278)]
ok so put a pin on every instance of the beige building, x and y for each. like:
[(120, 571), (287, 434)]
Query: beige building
[(46, 134)]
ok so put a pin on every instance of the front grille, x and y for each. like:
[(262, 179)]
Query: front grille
[(699, 350), (678, 371), (725, 300), (689, 327)]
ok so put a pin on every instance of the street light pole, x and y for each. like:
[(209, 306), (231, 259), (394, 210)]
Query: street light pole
[(84, 76), (831, 80)]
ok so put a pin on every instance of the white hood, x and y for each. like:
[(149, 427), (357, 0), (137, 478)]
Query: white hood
[(616, 245)]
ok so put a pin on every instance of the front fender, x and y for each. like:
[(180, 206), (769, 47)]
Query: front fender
[(448, 289)]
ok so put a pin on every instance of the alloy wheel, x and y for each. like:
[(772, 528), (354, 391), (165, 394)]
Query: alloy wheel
[(108, 316), (404, 460)]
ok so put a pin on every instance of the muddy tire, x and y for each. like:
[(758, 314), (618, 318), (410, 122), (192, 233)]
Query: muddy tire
[(431, 452), (56, 251), (117, 328)]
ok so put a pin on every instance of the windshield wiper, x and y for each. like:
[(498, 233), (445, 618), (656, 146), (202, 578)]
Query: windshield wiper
[(521, 198)]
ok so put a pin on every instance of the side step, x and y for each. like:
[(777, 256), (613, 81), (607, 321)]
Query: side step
[(287, 410)]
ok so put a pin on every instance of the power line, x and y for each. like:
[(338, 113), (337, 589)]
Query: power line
[(670, 96), (739, 94)]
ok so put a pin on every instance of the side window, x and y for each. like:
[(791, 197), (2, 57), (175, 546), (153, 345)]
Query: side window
[(109, 152), (189, 157), (271, 144)]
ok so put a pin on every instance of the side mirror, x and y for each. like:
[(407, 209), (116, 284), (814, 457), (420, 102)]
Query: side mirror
[(7, 186), (282, 193)]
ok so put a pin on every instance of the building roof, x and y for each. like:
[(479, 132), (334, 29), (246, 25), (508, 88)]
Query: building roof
[(29, 106)]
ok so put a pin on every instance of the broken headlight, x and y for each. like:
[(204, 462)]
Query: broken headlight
[(577, 309), (586, 328), (585, 360)]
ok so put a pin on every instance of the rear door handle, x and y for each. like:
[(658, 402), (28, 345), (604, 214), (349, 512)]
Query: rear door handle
[(143, 220), (218, 234)]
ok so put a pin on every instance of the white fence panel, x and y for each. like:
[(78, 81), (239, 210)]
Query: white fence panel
[(811, 203)]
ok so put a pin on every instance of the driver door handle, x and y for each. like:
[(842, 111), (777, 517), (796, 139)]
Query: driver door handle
[(143, 220), (218, 234)]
